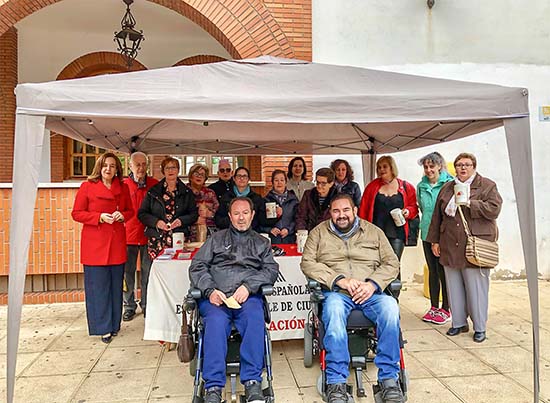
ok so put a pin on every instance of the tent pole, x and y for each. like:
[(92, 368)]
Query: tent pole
[(518, 139)]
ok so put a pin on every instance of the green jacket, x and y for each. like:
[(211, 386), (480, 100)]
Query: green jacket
[(367, 255), (426, 195)]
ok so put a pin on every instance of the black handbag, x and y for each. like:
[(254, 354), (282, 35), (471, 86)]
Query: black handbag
[(414, 227)]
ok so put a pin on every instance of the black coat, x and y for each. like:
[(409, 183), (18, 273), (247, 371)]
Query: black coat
[(352, 188), (310, 213), (229, 259), (287, 220), (221, 187), (152, 208)]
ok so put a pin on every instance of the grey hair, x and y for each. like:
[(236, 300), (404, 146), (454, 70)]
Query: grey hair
[(434, 157), (136, 154)]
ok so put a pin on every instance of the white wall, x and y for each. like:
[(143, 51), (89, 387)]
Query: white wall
[(404, 36), (53, 37)]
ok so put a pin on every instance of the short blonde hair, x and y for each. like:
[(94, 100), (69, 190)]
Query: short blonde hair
[(390, 161)]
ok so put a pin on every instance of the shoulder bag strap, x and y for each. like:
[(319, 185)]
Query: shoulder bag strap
[(464, 222)]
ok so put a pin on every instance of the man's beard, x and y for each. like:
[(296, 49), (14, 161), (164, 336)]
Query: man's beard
[(346, 228)]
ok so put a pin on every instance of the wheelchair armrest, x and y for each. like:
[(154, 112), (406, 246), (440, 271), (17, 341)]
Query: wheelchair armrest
[(190, 302), (313, 285), (395, 285), (266, 289)]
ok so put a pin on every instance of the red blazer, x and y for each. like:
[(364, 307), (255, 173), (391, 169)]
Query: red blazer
[(134, 227), (366, 209), (102, 244)]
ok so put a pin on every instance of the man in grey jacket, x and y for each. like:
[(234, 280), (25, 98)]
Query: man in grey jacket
[(354, 262), (234, 262)]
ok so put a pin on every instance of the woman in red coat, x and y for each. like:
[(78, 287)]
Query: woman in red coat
[(103, 205), (384, 194)]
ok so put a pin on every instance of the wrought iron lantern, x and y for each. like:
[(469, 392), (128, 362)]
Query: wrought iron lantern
[(128, 39)]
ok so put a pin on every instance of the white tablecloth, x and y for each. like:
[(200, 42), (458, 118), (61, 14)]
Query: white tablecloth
[(169, 283)]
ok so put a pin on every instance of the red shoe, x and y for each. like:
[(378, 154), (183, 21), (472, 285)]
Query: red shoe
[(441, 316), (430, 315)]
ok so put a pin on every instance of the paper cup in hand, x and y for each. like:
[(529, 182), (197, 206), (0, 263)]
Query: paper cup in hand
[(271, 210), (398, 217), (301, 238), (462, 194), (177, 240)]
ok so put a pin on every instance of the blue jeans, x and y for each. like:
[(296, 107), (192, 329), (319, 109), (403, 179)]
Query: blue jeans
[(382, 310), (249, 321)]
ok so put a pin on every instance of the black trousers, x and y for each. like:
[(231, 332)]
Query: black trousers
[(436, 277), (398, 245)]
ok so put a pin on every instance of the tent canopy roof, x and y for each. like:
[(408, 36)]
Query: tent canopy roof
[(268, 105)]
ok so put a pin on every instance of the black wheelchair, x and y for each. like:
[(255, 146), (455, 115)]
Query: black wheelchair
[(233, 359), (362, 343)]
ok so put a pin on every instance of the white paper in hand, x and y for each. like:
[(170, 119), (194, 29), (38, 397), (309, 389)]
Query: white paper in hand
[(232, 303)]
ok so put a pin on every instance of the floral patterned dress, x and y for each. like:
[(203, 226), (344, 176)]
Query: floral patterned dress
[(155, 245), (207, 203)]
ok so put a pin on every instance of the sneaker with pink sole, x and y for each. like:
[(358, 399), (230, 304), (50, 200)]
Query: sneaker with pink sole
[(441, 316), (430, 315)]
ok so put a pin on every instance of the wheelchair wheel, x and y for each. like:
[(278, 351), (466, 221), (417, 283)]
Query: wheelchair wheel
[(308, 345)]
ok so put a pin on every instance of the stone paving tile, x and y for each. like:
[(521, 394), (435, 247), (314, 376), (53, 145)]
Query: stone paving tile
[(115, 385), (173, 382), (505, 359), (51, 389), (488, 389), (76, 340), (427, 340), (128, 358), (431, 390), (23, 360), (526, 379), (452, 363), (63, 362)]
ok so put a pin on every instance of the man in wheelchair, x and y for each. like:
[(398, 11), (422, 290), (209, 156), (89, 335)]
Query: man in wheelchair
[(354, 262), (234, 262)]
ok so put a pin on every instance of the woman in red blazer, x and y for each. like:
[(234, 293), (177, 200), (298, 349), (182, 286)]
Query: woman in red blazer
[(103, 205), (383, 195)]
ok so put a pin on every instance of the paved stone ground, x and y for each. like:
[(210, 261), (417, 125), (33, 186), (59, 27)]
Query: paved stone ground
[(59, 362)]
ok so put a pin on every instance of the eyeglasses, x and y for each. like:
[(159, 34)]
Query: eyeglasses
[(319, 183), (198, 174), (170, 168), (466, 165), (239, 176), (224, 170)]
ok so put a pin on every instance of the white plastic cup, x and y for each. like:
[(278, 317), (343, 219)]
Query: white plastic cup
[(178, 238), (462, 194), (398, 217), (271, 210), (301, 238)]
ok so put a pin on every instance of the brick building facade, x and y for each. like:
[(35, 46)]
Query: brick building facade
[(244, 28)]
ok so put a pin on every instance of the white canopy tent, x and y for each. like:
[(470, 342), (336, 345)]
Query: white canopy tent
[(261, 106)]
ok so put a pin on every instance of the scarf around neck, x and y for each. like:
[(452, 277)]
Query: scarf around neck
[(348, 234), (244, 193)]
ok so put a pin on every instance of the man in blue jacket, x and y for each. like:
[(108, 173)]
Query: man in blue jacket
[(234, 262)]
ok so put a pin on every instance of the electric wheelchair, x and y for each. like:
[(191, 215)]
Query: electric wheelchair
[(232, 367), (362, 343)]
